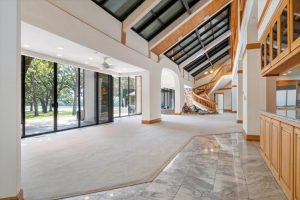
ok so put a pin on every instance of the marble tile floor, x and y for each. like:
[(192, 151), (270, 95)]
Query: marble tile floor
[(213, 167)]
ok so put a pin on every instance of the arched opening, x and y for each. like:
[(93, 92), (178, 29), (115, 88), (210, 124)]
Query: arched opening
[(170, 92)]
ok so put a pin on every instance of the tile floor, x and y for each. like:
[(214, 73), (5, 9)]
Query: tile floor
[(213, 167)]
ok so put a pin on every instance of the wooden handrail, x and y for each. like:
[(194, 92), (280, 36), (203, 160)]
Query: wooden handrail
[(211, 105)]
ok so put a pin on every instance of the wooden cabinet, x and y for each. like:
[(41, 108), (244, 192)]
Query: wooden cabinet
[(267, 139), (295, 23), (280, 148), (297, 164), (274, 143), (262, 135), (286, 159)]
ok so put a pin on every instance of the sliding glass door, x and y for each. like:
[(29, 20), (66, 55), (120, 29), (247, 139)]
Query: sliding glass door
[(67, 96), (127, 96), (38, 84), (58, 97)]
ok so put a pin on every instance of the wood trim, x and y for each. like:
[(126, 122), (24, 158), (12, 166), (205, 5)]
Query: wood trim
[(250, 137), (178, 113), (18, 197), (253, 46), (153, 121), (239, 121), (262, 16), (123, 36), (240, 71), (286, 82), (234, 86)]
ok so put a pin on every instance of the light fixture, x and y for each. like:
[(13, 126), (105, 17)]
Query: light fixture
[(59, 55), (86, 62), (290, 72), (284, 74), (26, 45), (86, 198), (111, 194), (206, 72), (211, 71), (60, 48), (90, 58)]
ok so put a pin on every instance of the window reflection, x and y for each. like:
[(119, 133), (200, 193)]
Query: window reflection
[(275, 44), (284, 30), (268, 50), (296, 17)]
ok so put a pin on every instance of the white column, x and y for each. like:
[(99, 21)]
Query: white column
[(234, 98), (151, 95), (254, 89), (10, 90), (240, 97)]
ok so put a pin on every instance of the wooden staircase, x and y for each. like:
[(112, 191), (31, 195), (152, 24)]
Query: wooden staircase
[(200, 93)]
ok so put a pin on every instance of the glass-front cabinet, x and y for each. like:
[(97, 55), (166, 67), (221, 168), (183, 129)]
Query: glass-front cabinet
[(295, 23), (280, 43)]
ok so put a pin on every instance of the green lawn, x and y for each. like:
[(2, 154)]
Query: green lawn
[(30, 115)]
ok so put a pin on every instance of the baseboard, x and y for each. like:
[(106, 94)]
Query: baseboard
[(18, 197), (239, 121), (227, 110), (178, 113), (151, 121), (250, 137)]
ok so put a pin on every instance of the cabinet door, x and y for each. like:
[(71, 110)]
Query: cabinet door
[(274, 160), (286, 159), (297, 164), (295, 23), (267, 139), (262, 134)]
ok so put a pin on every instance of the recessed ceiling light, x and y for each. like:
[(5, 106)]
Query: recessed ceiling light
[(60, 48), (86, 63), (284, 74), (26, 45), (206, 72), (290, 72), (59, 55), (211, 71), (90, 58), (86, 198)]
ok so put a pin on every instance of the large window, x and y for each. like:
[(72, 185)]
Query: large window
[(59, 97), (127, 96), (167, 99)]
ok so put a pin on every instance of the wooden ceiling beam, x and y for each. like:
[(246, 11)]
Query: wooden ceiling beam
[(187, 27)]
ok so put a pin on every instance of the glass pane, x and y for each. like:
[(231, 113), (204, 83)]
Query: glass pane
[(116, 97), (132, 95), (275, 44), (67, 97), (87, 98), (151, 29), (268, 50), (124, 96), (39, 116), (138, 94), (121, 8), (291, 98), (284, 30), (103, 98), (172, 12), (296, 16), (262, 56)]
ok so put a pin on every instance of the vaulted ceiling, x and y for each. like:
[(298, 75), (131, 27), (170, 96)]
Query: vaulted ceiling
[(201, 40)]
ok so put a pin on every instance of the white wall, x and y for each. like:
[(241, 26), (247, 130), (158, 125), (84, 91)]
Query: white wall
[(90, 13), (136, 42), (234, 98), (10, 103)]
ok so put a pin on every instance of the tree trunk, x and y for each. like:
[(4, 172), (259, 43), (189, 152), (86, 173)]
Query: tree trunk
[(31, 107), (36, 108), (75, 89), (44, 106), (50, 106)]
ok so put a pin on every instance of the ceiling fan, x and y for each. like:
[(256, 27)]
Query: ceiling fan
[(106, 65)]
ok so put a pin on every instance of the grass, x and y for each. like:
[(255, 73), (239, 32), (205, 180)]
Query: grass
[(30, 115)]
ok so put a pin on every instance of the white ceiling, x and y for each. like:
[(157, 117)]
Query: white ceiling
[(39, 41)]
